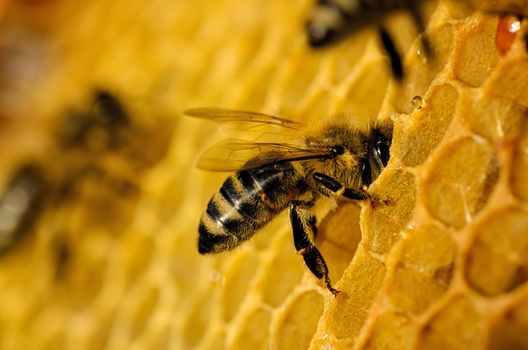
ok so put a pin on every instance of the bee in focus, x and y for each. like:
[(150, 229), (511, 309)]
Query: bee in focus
[(333, 20), (337, 160)]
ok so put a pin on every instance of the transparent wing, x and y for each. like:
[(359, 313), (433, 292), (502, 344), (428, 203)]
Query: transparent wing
[(235, 154), (242, 120)]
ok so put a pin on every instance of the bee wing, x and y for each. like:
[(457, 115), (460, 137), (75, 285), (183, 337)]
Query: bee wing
[(242, 120), (235, 154)]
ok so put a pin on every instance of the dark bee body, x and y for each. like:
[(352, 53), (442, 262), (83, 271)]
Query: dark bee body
[(335, 160), (20, 204), (106, 117), (334, 20), (246, 202)]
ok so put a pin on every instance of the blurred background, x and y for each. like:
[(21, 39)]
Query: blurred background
[(100, 198)]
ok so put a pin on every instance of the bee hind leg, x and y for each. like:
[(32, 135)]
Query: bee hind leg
[(303, 221)]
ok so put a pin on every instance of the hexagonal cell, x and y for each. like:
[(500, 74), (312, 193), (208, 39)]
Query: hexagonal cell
[(215, 342), (520, 166), (298, 322), (509, 331), (418, 137), (89, 263), (359, 286), (458, 9), (421, 70), (197, 322), (282, 273), (143, 309), (498, 260), (460, 180), (338, 237), (501, 6), (136, 254), (341, 227), (458, 325), (491, 117), (508, 79), (382, 223), (254, 331), (317, 105), (469, 67), (391, 331), (348, 57), (294, 77), (238, 276), (413, 291), (428, 249), (362, 99)]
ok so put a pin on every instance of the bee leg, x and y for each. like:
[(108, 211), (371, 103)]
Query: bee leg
[(333, 185), (302, 221), (394, 56)]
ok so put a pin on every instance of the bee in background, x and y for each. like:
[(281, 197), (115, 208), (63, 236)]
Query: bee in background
[(99, 157), (20, 204), (334, 20), (338, 160), (106, 117)]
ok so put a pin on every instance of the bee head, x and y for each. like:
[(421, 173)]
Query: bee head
[(348, 146)]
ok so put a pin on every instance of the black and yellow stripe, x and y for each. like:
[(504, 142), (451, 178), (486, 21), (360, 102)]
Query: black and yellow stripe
[(246, 202)]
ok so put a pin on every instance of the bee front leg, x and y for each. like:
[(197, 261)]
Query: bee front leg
[(303, 221), (334, 186)]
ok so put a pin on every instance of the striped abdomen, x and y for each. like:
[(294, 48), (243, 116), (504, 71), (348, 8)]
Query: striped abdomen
[(247, 201)]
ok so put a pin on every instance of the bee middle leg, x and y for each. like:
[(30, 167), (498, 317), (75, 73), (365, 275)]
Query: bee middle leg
[(303, 221)]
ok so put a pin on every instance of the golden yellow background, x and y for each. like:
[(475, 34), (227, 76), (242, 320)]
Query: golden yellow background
[(443, 266)]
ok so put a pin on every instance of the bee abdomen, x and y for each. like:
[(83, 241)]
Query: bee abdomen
[(246, 202)]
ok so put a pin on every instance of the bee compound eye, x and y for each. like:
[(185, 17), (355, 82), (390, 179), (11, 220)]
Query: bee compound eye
[(383, 151), (338, 150)]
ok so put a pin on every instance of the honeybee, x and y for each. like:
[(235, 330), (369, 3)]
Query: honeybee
[(337, 160), (106, 116), (333, 20)]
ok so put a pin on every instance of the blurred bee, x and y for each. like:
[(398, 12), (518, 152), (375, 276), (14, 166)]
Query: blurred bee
[(337, 160), (106, 117), (97, 147), (333, 20), (20, 204)]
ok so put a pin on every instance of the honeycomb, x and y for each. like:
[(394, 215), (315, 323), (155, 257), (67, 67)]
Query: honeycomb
[(442, 266)]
